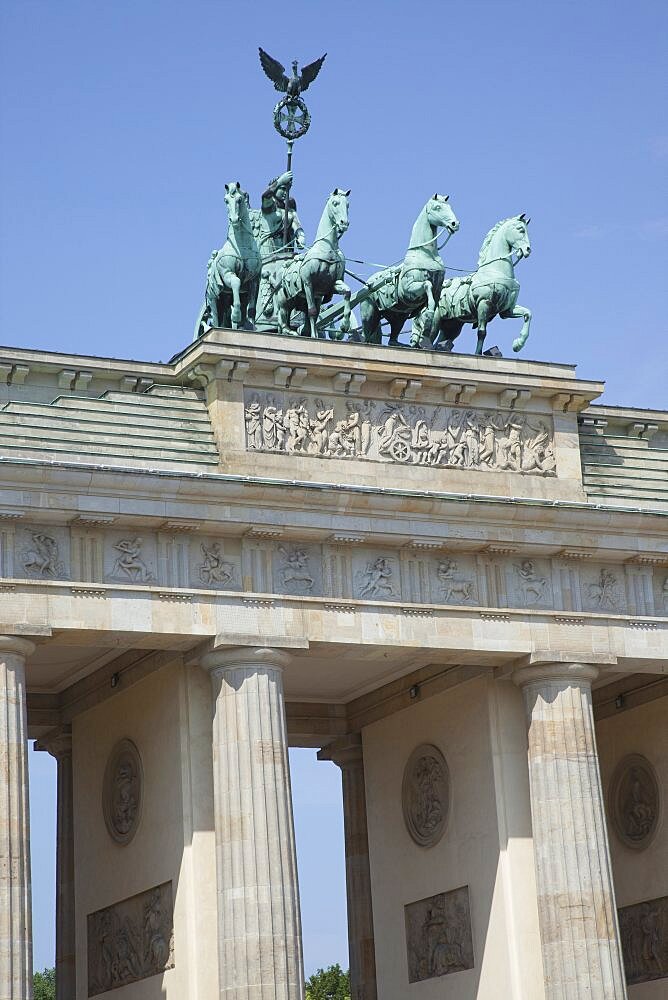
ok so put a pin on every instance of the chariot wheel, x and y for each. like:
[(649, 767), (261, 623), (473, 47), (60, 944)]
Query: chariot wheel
[(400, 450), (291, 118)]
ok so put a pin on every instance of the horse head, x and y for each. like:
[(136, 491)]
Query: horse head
[(337, 210), (439, 213), (236, 201), (516, 233)]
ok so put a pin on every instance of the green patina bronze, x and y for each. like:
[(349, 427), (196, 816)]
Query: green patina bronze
[(310, 280), (476, 298), (418, 280), (233, 272), (263, 278)]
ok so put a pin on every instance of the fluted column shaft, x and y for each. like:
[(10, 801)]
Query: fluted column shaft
[(576, 899), (259, 933), (59, 745), (15, 890), (347, 753)]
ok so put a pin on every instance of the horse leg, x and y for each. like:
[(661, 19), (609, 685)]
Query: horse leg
[(251, 306), (340, 288), (484, 310), (311, 303), (427, 314), (370, 322), (233, 282), (520, 312), (449, 330), (396, 326)]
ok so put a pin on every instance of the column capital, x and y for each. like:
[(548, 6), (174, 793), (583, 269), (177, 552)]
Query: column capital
[(57, 742), (555, 665), (16, 645), (218, 661), (344, 752)]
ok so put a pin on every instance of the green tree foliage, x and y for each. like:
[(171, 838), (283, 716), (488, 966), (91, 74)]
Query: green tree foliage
[(329, 984), (44, 985)]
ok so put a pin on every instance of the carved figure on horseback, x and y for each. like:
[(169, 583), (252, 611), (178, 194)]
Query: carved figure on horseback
[(313, 278), (417, 283), (477, 298), (233, 272)]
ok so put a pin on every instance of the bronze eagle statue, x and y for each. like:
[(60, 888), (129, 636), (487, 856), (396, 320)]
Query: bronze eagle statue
[(295, 85)]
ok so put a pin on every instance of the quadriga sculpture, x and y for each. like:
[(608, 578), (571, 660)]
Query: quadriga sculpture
[(233, 272), (313, 278), (418, 281), (476, 298)]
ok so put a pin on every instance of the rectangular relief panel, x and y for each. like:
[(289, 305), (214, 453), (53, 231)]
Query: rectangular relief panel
[(644, 932), (438, 935), (404, 433), (131, 940)]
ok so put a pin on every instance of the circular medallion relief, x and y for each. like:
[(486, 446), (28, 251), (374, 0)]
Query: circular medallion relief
[(426, 795), (634, 801), (122, 792)]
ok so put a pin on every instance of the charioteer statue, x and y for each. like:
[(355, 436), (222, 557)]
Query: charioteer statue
[(268, 224)]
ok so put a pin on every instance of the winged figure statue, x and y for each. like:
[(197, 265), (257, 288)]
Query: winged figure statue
[(293, 85)]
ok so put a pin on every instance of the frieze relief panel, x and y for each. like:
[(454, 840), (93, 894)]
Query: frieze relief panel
[(438, 935), (131, 940), (264, 562), (397, 432)]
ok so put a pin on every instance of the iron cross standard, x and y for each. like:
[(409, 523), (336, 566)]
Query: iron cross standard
[(291, 116)]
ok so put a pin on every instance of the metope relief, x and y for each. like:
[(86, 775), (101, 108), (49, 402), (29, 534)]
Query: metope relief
[(425, 795), (438, 935), (42, 553), (634, 801), (215, 567), (604, 591), (131, 559), (131, 940), (297, 570), (376, 577), (454, 582), (122, 792), (643, 929), (530, 583), (430, 435)]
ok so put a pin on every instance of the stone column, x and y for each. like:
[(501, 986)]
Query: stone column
[(347, 753), (259, 928), (59, 745), (576, 899), (15, 896)]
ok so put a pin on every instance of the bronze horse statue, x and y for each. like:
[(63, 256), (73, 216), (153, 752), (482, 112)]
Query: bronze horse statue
[(418, 280), (311, 279), (233, 272), (476, 298)]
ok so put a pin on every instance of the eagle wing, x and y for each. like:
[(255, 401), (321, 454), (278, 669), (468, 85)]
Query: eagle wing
[(275, 71), (309, 73)]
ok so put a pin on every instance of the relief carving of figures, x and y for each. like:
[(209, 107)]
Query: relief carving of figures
[(438, 935), (42, 558), (122, 791), (634, 801), (426, 795), (454, 588), (131, 940), (407, 434), (215, 568), (604, 593), (295, 569), (129, 563), (532, 586), (644, 932), (376, 579)]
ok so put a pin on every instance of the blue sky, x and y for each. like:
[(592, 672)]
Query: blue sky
[(121, 121)]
